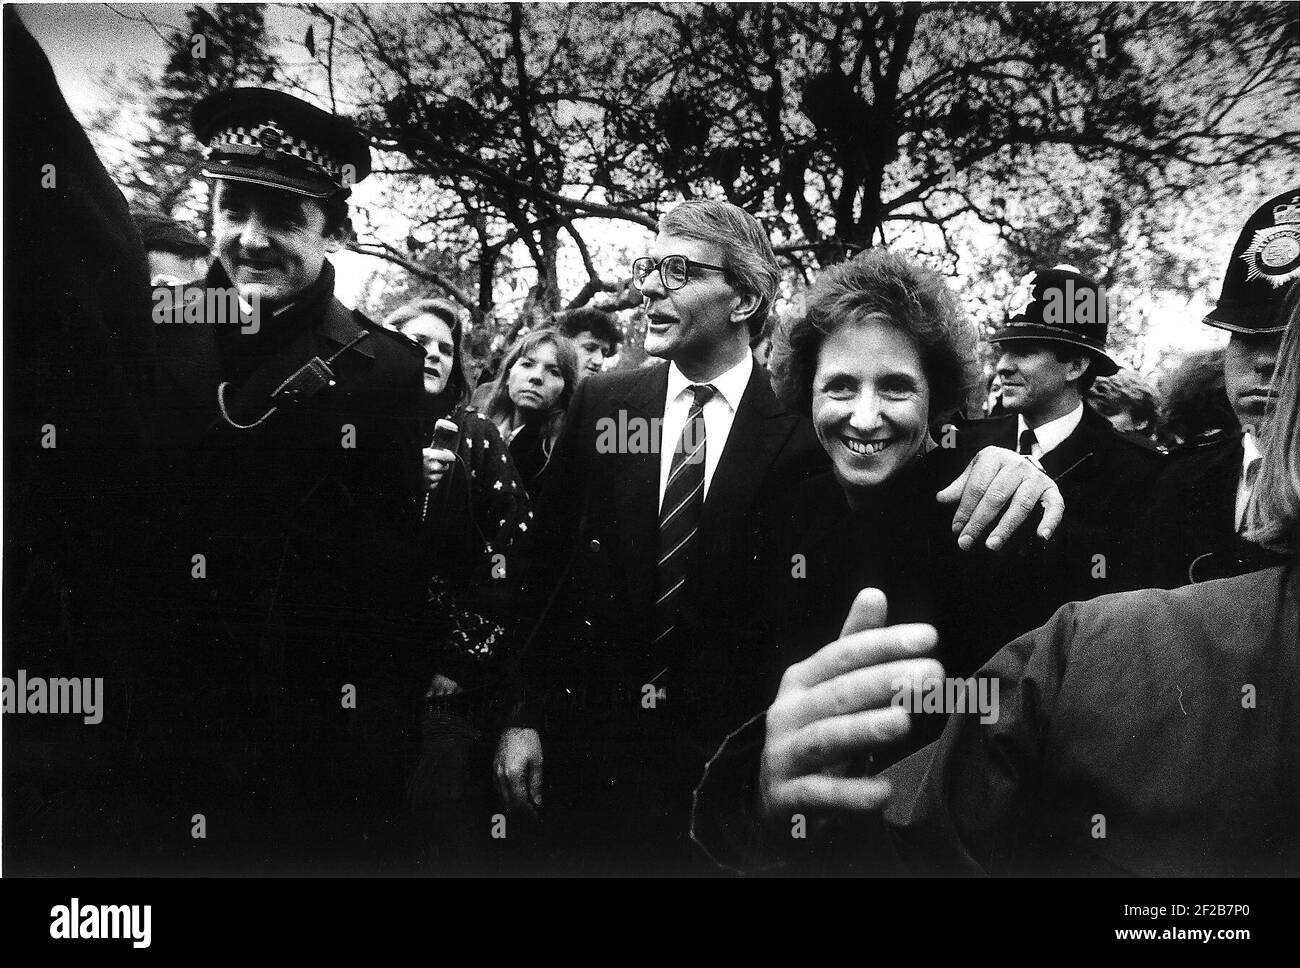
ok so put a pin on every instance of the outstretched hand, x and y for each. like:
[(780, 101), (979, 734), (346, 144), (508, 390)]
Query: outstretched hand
[(835, 706)]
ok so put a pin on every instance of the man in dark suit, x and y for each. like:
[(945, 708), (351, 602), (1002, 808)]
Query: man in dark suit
[(638, 660), (288, 428), (1050, 350), (644, 660), (1194, 525)]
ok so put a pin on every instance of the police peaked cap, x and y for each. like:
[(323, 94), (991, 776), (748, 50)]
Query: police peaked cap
[(265, 137), (1265, 262), (1062, 305)]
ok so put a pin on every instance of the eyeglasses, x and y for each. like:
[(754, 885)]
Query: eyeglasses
[(674, 270)]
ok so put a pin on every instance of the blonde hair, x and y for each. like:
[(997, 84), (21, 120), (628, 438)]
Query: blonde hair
[(500, 409), (456, 392), (1274, 513)]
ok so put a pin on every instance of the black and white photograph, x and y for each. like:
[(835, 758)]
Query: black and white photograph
[(718, 441)]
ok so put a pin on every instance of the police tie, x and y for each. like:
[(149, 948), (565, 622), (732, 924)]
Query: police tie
[(1027, 441), (679, 517)]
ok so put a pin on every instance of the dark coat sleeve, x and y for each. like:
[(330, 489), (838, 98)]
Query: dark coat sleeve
[(79, 473), (542, 557), (79, 345)]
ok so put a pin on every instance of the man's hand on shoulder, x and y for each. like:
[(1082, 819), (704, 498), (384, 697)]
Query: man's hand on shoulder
[(1003, 486)]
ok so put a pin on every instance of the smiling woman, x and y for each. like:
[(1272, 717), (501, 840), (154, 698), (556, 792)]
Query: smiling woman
[(881, 354), (870, 401)]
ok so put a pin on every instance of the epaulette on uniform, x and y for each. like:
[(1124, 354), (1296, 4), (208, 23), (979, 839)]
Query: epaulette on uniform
[(997, 420), (1207, 444), (971, 431), (1145, 444)]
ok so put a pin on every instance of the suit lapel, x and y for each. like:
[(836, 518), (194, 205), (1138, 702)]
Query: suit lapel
[(725, 543), (1069, 457), (634, 483), (757, 433)]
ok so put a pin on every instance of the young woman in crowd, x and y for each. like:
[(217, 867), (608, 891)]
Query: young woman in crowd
[(474, 508), (528, 399)]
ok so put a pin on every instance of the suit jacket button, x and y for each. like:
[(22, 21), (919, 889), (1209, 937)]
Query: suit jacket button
[(594, 546)]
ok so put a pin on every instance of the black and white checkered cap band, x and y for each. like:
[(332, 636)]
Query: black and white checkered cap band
[(242, 141)]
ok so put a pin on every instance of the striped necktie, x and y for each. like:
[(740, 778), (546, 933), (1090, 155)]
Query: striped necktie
[(679, 517)]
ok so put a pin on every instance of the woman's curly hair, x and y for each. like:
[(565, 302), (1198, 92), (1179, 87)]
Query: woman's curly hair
[(877, 285)]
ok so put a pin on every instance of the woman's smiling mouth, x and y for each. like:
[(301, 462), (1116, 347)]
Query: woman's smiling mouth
[(865, 448)]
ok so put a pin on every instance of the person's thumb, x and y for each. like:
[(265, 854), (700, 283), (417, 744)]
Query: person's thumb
[(868, 611)]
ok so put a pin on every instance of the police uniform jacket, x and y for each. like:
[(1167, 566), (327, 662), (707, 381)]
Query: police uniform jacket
[(1106, 480), (1190, 528), (305, 517)]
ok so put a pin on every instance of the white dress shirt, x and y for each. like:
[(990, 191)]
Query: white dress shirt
[(1049, 435), (1249, 454), (719, 414)]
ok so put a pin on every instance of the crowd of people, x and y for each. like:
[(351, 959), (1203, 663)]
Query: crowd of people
[(360, 615)]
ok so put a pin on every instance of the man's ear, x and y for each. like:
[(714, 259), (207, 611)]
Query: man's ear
[(1078, 366), (744, 306), (337, 240)]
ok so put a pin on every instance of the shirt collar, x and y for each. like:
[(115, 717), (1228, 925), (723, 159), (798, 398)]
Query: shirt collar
[(1050, 434), (730, 385), (1249, 451)]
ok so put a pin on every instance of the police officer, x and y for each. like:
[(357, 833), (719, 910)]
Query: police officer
[(1196, 521), (1051, 348), (293, 463)]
